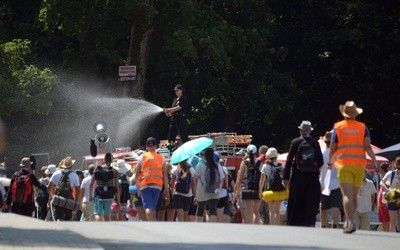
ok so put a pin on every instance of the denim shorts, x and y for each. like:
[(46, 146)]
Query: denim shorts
[(150, 197), (102, 206)]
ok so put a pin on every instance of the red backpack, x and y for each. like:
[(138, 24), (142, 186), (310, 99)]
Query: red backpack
[(22, 189)]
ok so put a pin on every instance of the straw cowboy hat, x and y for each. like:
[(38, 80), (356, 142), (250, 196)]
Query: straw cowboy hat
[(326, 137), (122, 167), (68, 162), (350, 110)]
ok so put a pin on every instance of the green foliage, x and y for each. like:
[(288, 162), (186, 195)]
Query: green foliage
[(27, 89), (254, 67)]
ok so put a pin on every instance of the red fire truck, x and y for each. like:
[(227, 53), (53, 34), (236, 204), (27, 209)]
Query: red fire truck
[(231, 146)]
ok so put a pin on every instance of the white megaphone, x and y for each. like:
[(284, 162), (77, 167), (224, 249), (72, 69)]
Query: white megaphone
[(101, 137)]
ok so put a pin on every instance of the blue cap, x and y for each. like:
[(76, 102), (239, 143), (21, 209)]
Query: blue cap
[(217, 156)]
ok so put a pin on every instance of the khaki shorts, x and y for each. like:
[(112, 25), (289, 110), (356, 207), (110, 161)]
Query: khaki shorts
[(351, 174)]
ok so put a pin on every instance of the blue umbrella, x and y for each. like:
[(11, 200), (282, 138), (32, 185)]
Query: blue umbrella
[(391, 152), (190, 148)]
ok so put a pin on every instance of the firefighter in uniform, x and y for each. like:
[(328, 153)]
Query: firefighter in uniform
[(177, 114)]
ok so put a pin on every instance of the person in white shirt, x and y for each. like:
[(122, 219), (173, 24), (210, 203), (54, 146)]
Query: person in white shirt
[(333, 201), (61, 213), (365, 202), (86, 204), (390, 181)]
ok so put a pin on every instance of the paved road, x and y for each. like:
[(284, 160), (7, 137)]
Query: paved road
[(17, 232)]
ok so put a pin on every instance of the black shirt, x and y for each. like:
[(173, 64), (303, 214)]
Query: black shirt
[(181, 102)]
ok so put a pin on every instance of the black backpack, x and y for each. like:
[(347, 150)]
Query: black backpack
[(182, 185), (42, 196), (306, 156), (124, 188), (64, 187), (253, 175), (275, 178)]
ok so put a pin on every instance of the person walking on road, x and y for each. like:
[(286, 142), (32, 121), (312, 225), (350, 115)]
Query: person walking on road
[(332, 201), (301, 177), (20, 196), (152, 175), (177, 114), (350, 140)]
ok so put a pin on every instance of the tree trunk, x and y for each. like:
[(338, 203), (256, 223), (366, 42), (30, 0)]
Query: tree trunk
[(141, 32)]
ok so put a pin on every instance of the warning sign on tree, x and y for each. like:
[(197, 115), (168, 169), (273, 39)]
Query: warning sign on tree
[(127, 73)]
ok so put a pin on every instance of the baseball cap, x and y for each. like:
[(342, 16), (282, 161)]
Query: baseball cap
[(151, 141), (178, 86), (251, 149)]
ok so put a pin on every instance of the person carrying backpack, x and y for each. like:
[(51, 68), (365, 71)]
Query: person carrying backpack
[(123, 180), (183, 187), (302, 172), (20, 196), (41, 196), (64, 183), (247, 184), (209, 175), (271, 178), (104, 183)]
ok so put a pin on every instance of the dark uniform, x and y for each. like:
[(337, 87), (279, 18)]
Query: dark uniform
[(178, 122), (304, 190)]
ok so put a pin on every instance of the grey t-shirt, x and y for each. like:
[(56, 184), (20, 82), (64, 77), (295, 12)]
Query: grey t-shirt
[(200, 173)]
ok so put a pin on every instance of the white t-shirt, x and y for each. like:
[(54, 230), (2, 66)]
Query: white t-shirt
[(86, 186), (396, 179), (223, 192), (364, 199), (176, 172), (333, 182), (200, 173), (73, 178)]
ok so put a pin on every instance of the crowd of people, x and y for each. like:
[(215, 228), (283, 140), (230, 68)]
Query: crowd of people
[(331, 184)]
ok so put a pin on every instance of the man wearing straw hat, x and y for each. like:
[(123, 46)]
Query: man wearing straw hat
[(349, 142), (61, 213)]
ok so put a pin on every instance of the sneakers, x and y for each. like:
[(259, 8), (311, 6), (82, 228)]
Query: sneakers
[(349, 227)]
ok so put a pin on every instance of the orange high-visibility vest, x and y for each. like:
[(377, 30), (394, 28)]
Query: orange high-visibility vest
[(152, 170), (350, 148)]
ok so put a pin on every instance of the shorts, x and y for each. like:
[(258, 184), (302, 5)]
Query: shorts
[(138, 201), (248, 194), (333, 200), (150, 197), (351, 174), (228, 209), (193, 207), (223, 202), (182, 202), (392, 207), (383, 214), (102, 206)]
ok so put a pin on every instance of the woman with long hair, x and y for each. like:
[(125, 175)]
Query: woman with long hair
[(209, 176), (391, 181), (247, 186), (183, 184)]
